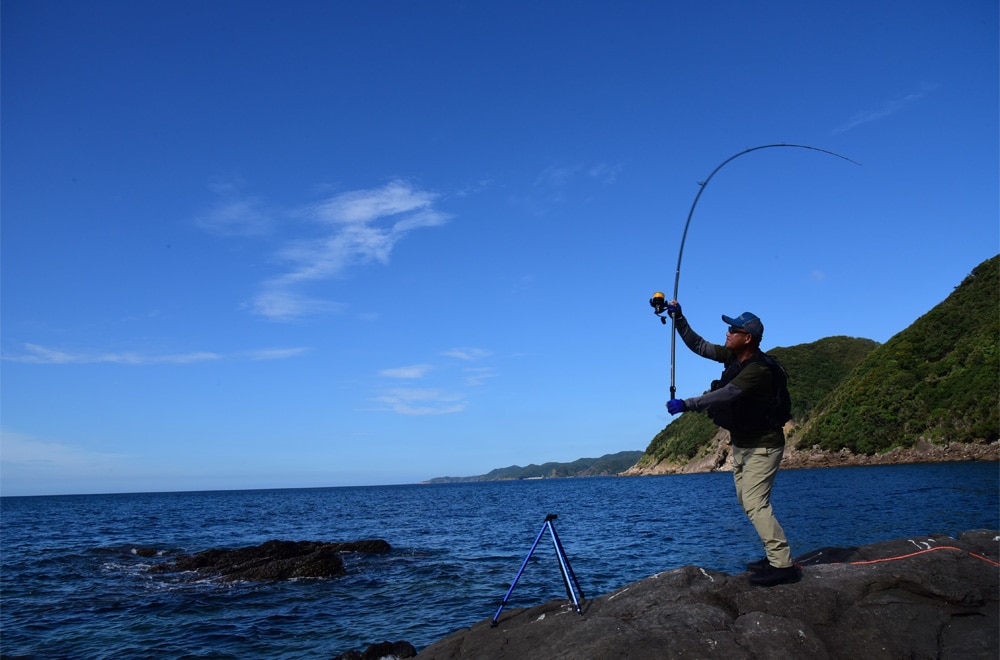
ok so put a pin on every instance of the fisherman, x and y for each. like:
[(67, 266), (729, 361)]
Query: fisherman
[(742, 401)]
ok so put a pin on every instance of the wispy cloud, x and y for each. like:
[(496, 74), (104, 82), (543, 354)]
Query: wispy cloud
[(411, 372), (887, 109), (274, 353), (605, 172), (557, 175), (451, 397), (356, 228), (469, 354), (412, 401), (476, 187), (36, 354), (562, 175), (474, 377), (234, 214), (277, 300), (559, 184)]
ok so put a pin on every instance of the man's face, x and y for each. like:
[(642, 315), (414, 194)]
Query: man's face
[(737, 338)]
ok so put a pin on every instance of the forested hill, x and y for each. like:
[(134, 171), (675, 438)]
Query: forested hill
[(609, 464), (814, 371), (935, 382)]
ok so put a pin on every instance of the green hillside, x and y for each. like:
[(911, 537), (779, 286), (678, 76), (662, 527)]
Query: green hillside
[(937, 380), (814, 371)]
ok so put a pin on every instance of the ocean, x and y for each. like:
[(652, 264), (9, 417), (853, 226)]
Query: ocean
[(73, 585)]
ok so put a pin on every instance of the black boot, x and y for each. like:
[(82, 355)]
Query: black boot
[(772, 575)]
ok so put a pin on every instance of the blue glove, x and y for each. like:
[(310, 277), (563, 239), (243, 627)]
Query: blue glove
[(675, 406), (674, 309)]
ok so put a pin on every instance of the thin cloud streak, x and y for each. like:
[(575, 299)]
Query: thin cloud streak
[(477, 376), (36, 354), (558, 176), (888, 109), (422, 402), (411, 372), (275, 353), (237, 217), (427, 401), (276, 301), (470, 354)]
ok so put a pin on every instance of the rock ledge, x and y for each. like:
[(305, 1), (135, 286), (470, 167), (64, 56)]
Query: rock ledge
[(926, 597)]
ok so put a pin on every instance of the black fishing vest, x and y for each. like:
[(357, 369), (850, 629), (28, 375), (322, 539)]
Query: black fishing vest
[(749, 415)]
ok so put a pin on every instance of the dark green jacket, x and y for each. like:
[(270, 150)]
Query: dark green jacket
[(750, 392)]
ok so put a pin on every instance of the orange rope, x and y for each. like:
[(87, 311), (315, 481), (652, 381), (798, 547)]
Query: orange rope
[(920, 552)]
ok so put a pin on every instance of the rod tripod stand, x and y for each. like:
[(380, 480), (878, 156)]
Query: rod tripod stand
[(569, 578)]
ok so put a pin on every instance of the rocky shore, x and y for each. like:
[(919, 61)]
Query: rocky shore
[(716, 457), (926, 597)]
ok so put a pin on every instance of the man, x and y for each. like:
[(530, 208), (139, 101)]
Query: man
[(742, 401)]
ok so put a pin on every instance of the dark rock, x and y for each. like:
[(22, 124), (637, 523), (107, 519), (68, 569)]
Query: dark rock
[(381, 651), (369, 546), (273, 560), (927, 597)]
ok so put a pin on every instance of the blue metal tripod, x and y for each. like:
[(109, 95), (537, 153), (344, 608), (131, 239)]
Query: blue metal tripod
[(569, 578)]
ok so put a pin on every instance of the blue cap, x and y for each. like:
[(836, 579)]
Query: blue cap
[(748, 322)]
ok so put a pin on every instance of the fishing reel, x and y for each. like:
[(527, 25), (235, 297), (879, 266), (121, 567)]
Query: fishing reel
[(659, 304)]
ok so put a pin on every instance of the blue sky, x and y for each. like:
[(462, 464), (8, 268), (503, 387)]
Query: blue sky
[(257, 244)]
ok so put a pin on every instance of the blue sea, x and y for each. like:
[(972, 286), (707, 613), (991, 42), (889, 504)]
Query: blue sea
[(73, 585)]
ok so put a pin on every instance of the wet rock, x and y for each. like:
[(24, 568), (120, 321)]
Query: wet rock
[(927, 597), (381, 651), (273, 560)]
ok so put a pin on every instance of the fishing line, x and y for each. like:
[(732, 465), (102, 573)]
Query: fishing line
[(814, 559), (657, 301), (921, 552)]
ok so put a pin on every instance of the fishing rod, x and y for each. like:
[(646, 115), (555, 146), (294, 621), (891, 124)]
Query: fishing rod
[(658, 301)]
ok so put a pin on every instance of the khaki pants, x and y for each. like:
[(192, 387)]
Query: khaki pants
[(753, 472)]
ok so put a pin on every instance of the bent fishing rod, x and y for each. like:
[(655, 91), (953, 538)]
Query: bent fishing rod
[(658, 301)]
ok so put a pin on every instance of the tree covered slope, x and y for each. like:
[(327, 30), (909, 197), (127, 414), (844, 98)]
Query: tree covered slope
[(937, 381)]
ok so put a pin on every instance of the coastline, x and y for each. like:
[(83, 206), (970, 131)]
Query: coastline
[(716, 457)]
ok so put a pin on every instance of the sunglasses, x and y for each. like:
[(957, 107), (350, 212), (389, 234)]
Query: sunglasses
[(733, 330)]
